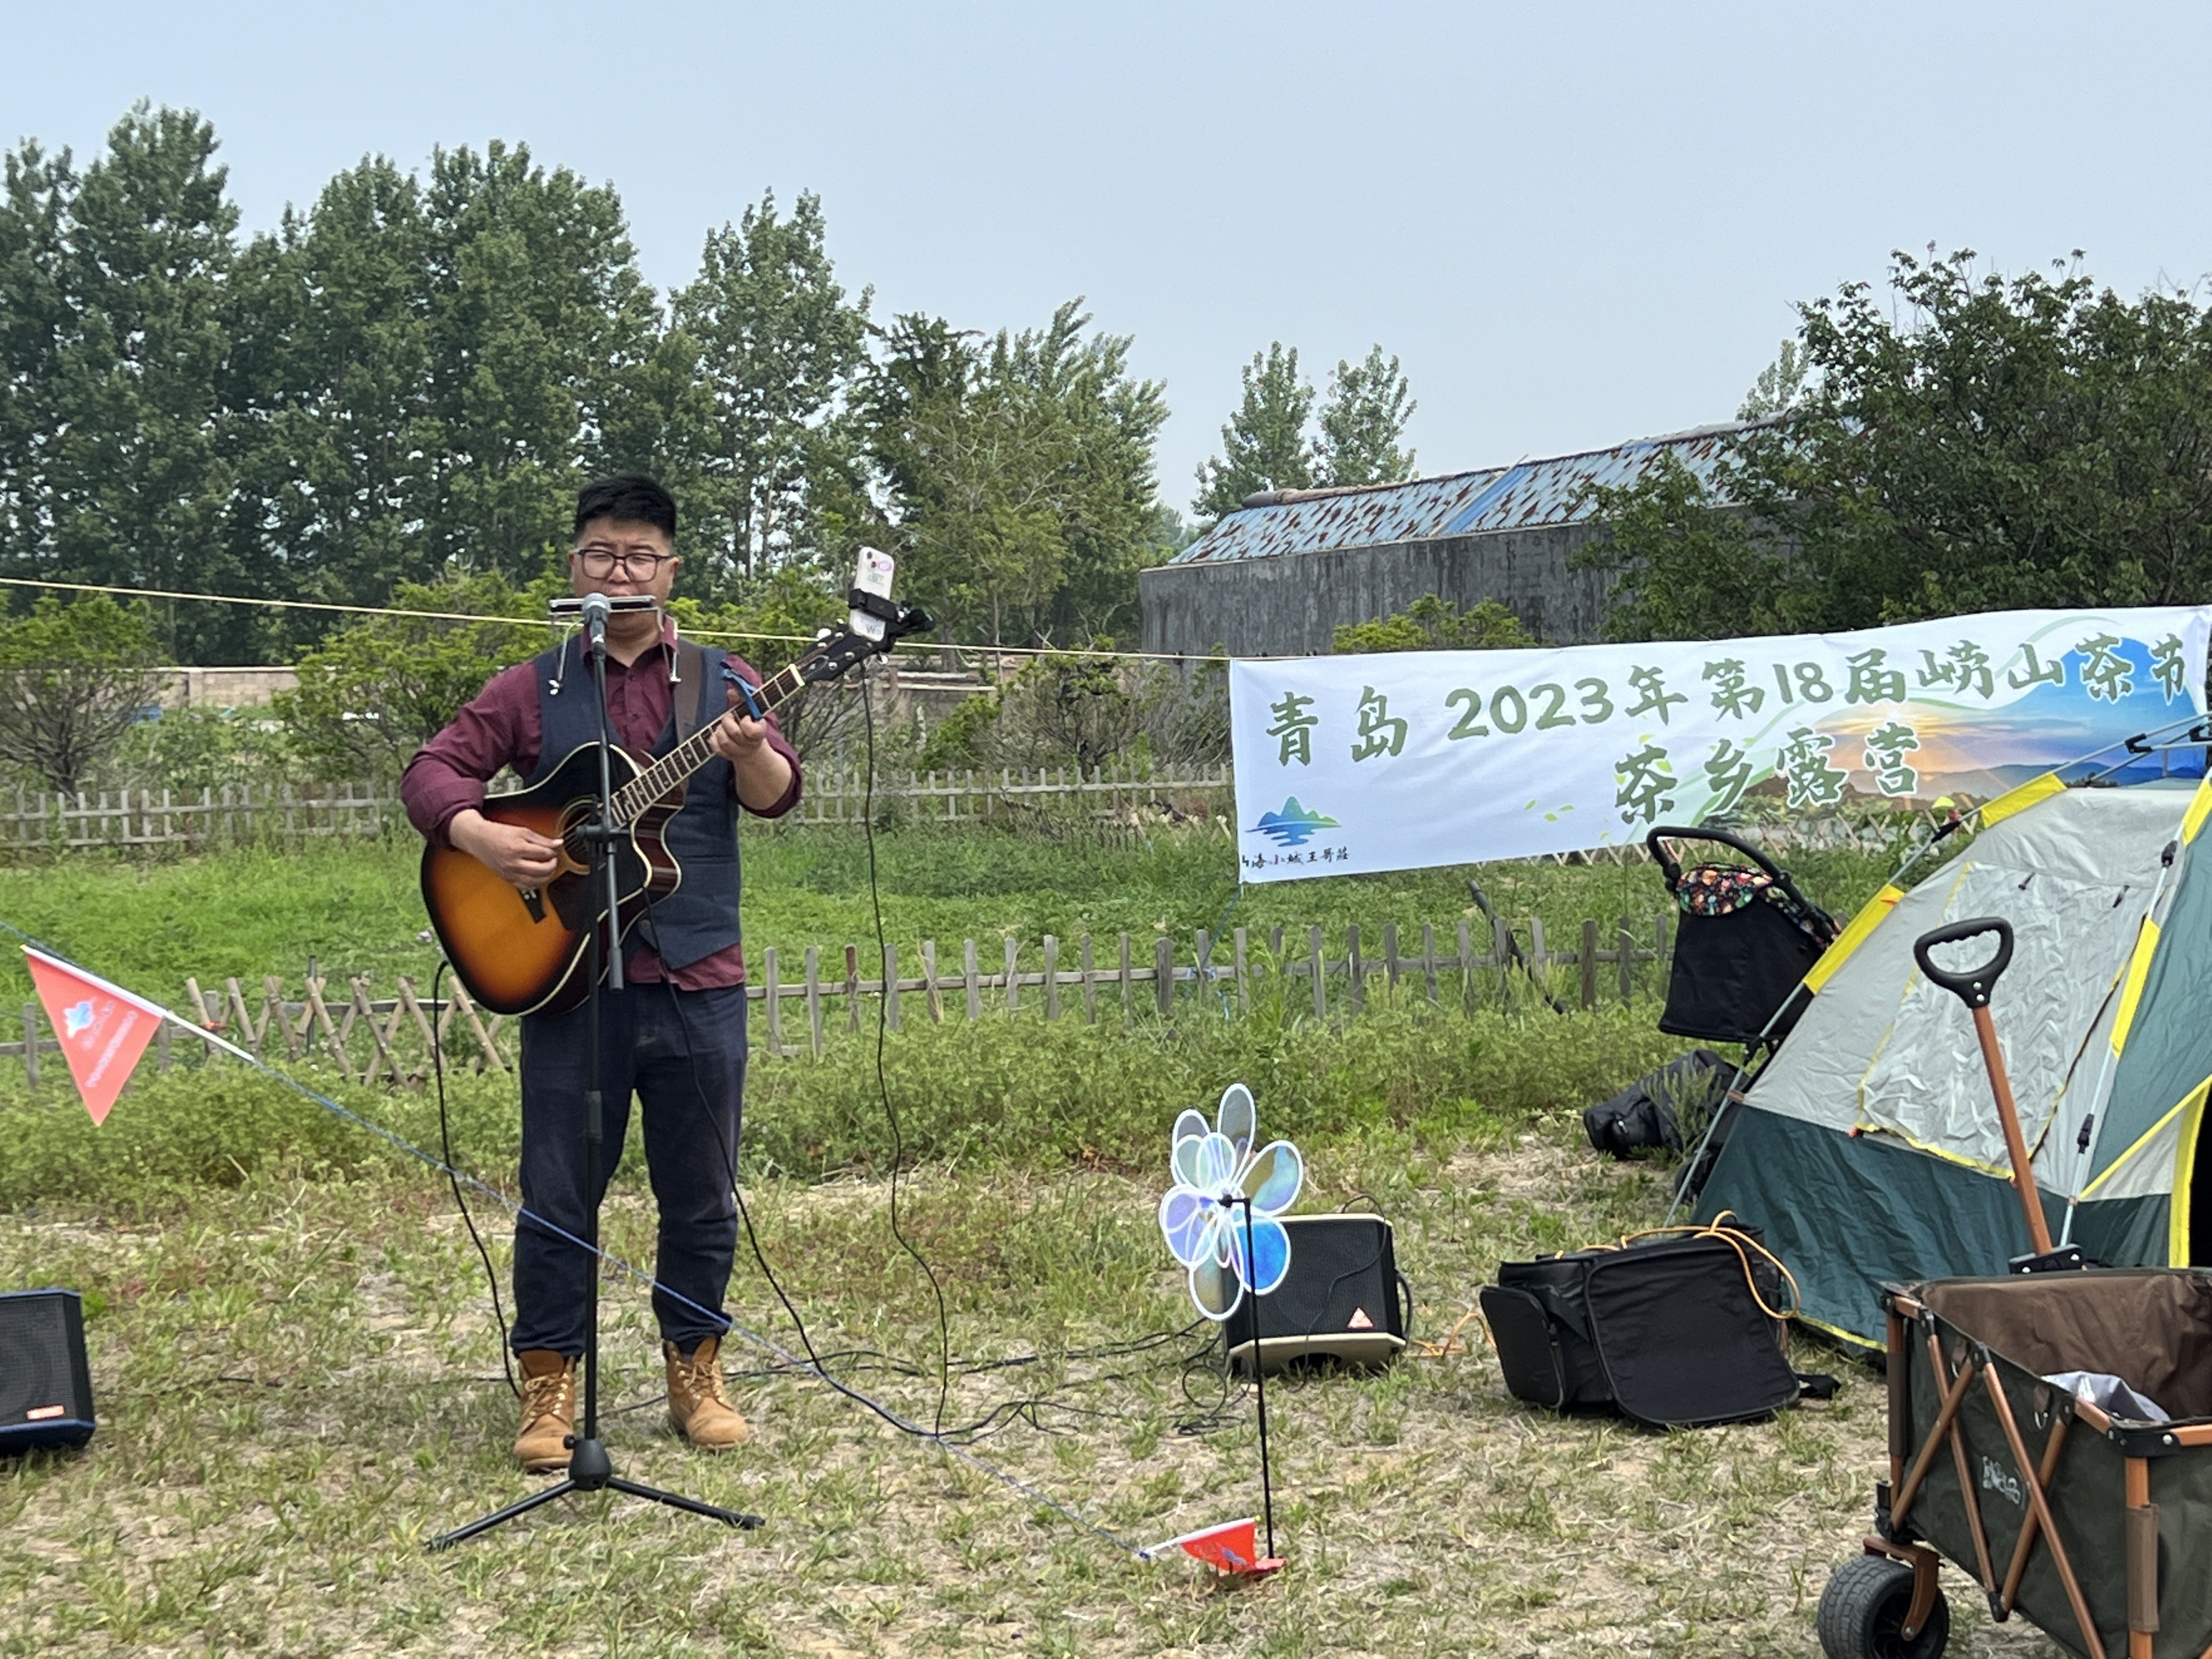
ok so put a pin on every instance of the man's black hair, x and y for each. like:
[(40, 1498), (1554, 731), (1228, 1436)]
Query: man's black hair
[(631, 498)]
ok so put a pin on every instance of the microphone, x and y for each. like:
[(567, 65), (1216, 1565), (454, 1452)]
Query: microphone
[(594, 609)]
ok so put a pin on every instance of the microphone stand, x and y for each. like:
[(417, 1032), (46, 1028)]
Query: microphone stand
[(589, 1468)]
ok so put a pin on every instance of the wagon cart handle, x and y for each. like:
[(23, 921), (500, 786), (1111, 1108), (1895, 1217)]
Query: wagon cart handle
[(1973, 987)]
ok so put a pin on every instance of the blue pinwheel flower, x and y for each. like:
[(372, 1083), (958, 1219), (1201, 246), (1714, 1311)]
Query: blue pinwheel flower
[(1224, 1193)]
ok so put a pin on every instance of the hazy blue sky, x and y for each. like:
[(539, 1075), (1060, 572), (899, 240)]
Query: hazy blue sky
[(1576, 224)]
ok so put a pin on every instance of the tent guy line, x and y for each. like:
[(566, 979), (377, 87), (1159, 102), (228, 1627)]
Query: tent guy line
[(42, 584), (766, 1344)]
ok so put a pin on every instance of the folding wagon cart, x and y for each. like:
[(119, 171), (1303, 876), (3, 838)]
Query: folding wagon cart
[(2092, 1520)]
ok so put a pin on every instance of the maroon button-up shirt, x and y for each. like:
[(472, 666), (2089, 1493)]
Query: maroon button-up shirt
[(501, 727)]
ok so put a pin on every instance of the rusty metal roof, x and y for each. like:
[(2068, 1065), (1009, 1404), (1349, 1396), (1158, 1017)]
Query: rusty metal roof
[(1528, 493)]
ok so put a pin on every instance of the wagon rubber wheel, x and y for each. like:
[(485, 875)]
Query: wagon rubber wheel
[(1863, 1608)]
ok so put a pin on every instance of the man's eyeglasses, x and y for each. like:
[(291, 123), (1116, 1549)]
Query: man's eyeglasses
[(642, 567)]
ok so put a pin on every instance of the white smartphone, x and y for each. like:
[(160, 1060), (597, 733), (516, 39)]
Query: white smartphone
[(873, 577)]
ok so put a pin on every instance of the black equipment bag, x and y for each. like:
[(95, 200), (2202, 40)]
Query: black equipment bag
[(1744, 940), (1668, 1330), (1668, 1108)]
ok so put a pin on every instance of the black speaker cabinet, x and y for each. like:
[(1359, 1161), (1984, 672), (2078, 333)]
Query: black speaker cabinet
[(45, 1387), (1343, 1299)]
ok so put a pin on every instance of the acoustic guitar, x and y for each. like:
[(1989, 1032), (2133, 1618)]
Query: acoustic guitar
[(524, 953)]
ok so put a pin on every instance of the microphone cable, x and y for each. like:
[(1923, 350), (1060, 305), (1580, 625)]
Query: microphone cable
[(453, 1180)]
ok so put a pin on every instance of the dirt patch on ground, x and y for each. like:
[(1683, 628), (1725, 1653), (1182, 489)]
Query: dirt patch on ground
[(299, 1385)]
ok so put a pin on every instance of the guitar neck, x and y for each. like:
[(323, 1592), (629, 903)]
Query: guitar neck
[(668, 773)]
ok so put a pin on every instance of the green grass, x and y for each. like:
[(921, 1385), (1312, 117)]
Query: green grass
[(299, 1383), (355, 907), (1005, 1091), (297, 1366)]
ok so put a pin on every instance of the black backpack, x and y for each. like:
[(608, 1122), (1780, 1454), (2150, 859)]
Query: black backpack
[(1668, 1108)]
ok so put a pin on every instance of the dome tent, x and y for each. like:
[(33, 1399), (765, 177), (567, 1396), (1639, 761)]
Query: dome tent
[(1869, 1149)]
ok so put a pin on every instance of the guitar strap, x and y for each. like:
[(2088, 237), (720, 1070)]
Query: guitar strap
[(690, 670)]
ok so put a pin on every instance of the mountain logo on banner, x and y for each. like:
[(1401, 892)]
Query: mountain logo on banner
[(103, 1028), (1295, 825)]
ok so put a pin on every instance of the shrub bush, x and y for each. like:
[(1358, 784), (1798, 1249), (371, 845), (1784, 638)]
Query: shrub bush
[(1006, 1090)]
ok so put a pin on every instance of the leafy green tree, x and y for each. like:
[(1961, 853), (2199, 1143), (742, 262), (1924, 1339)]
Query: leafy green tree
[(1703, 568), (777, 345), (440, 364), (1780, 384), (1088, 711), (540, 323), (1969, 442), (1024, 473), (137, 476), (413, 375), (380, 687), (73, 679), (771, 624), (335, 307), (33, 326), (204, 748), (1363, 417), (1264, 446), (1431, 623), (1082, 708)]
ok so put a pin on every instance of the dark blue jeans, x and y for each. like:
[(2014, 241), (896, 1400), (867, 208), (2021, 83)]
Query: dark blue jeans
[(683, 1053)]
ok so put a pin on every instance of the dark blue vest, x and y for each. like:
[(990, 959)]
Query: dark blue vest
[(700, 916)]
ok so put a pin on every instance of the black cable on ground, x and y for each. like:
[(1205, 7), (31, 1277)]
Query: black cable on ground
[(1006, 1412), (453, 1180), (882, 1087)]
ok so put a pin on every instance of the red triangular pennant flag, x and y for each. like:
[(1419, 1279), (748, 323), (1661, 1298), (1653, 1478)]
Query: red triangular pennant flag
[(103, 1028), (1232, 1547)]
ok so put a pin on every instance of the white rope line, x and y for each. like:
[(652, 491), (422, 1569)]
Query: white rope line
[(766, 1344), (542, 621)]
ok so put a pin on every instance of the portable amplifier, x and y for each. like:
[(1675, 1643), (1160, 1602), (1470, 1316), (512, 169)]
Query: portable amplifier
[(45, 1387), (1343, 1299)]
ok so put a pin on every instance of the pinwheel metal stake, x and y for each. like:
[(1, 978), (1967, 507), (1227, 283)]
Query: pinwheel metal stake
[(1259, 1390), (1220, 1221)]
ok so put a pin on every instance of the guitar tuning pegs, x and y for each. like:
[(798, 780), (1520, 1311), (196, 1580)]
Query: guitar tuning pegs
[(822, 633)]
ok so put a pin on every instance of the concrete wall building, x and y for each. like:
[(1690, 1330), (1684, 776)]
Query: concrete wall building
[(224, 687), (1279, 577)]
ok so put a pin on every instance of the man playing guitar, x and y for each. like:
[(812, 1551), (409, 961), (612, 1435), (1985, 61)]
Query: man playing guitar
[(676, 1035)]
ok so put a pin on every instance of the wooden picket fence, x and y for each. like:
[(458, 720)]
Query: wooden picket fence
[(367, 1039), (341, 1024), (1012, 792), (189, 820)]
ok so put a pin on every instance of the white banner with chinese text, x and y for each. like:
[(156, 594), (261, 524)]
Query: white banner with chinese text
[(1415, 758)]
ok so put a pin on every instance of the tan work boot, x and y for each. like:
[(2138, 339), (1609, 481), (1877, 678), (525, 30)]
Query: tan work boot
[(696, 1403), (549, 1410)]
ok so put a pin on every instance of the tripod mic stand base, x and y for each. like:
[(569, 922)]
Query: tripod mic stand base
[(589, 1470)]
